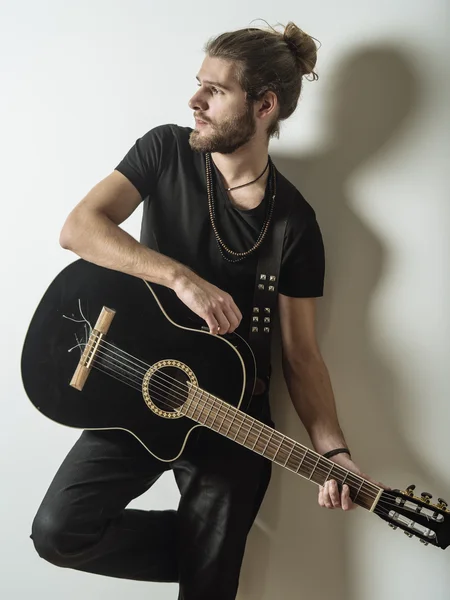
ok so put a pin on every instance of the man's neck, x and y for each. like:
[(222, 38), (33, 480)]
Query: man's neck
[(243, 165)]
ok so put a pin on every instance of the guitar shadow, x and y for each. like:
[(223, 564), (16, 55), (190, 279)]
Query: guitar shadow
[(297, 549)]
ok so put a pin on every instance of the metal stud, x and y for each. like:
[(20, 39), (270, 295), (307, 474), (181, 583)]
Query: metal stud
[(266, 319), (272, 278), (266, 329), (261, 286), (267, 310), (255, 319), (256, 309), (255, 330), (263, 276), (271, 288)]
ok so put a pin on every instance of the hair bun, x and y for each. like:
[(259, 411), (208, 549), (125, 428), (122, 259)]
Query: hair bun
[(302, 47)]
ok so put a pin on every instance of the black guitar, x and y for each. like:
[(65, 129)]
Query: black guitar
[(137, 369)]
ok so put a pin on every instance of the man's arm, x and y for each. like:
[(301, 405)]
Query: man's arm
[(306, 374), (310, 389), (92, 231)]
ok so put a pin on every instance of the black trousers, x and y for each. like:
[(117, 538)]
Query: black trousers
[(83, 522)]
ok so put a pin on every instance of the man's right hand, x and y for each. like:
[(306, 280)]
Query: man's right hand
[(209, 302)]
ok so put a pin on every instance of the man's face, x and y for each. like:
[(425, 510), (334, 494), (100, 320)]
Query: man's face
[(225, 121)]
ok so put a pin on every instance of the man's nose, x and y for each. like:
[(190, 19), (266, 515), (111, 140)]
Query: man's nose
[(197, 102)]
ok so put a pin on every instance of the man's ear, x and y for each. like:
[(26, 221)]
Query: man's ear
[(267, 106)]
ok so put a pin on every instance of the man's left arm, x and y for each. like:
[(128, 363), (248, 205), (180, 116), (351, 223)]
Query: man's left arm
[(310, 389)]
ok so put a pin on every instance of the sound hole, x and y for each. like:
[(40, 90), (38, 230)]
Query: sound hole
[(168, 388)]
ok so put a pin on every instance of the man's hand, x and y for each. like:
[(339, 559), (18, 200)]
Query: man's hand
[(329, 496), (209, 302)]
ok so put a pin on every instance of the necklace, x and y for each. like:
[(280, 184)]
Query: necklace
[(250, 182), (238, 256)]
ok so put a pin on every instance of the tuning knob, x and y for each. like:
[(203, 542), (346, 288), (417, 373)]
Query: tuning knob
[(408, 534), (410, 490), (393, 526), (442, 504), (426, 497), (424, 542)]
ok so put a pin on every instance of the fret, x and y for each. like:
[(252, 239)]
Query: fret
[(201, 412), (193, 414), (231, 424), (240, 427), (217, 414), (191, 403), (211, 404), (289, 455), (267, 443), (346, 475), (359, 489), (312, 472), (223, 420), (282, 439), (329, 473), (257, 437), (301, 462), (248, 432)]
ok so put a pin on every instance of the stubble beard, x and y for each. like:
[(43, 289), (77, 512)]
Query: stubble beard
[(225, 137)]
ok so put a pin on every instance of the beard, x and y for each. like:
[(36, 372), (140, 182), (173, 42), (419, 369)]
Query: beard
[(226, 137)]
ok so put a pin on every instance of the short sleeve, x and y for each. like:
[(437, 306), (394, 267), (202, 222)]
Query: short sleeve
[(141, 164), (303, 264)]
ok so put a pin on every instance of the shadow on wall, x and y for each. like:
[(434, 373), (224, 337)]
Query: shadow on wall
[(297, 549)]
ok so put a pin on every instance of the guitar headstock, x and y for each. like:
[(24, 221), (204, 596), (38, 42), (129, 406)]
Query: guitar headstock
[(416, 515)]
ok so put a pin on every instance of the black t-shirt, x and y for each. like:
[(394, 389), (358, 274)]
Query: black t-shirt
[(171, 179)]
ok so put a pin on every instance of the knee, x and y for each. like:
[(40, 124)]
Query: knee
[(47, 533)]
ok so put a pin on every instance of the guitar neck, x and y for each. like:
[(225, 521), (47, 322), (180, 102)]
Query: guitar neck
[(229, 421)]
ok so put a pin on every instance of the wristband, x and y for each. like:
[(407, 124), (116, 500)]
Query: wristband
[(336, 451)]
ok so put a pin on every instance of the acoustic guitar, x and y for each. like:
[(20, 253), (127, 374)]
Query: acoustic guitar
[(139, 370)]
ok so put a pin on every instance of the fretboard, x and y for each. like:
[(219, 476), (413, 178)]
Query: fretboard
[(243, 429)]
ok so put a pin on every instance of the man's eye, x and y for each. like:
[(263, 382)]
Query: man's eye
[(213, 89)]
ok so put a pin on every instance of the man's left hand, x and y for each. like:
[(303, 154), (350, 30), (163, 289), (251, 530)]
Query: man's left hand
[(329, 495)]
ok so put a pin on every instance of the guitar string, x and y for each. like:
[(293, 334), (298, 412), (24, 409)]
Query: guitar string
[(181, 397), (269, 441), (365, 482), (317, 468), (380, 509), (386, 503)]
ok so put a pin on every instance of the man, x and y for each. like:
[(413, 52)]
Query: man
[(208, 198)]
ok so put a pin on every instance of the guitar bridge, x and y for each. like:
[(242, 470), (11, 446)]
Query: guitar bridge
[(85, 364)]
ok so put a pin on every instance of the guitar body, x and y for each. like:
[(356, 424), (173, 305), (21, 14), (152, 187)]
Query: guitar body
[(142, 333)]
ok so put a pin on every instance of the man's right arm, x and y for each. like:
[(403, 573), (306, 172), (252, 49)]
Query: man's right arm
[(92, 231)]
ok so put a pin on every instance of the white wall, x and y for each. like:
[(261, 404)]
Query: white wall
[(368, 147)]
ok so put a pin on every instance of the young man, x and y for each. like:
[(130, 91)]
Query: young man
[(208, 196)]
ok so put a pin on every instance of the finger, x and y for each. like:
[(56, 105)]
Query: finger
[(232, 319), (333, 491), (212, 323), (224, 323), (320, 498), (327, 501), (346, 501)]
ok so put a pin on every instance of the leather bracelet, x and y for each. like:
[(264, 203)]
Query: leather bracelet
[(331, 453)]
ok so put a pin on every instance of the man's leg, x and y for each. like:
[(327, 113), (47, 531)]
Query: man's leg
[(222, 486), (82, 522)]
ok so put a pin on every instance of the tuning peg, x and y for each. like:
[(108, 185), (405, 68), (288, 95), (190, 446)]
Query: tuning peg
[(408, 534), (424, 542), (410, 490), (426, 497), (393, 526), (442, 504)]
